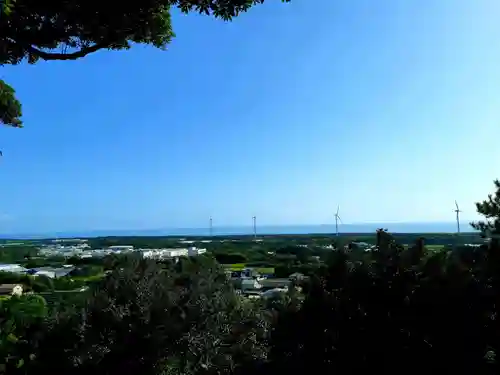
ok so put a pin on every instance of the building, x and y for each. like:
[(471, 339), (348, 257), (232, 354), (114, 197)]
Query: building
[(121, 248), (67, 250), (69, 240), (296, 276), (175, 253), (52, 272), (194, 251), (275, 283), (362, 245), (250, 284), (11, 289), (172, 253), (16, 268), (164, 253), (274, 293)]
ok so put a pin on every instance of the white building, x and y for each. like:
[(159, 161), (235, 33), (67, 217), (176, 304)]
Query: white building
[(121, 248), (16, 268), (164, 253), (172, 253), (251, 284), (296, 276), (193, 251), (52, 272)]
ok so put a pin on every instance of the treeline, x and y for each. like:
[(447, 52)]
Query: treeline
[(442, 239), (17, 254)]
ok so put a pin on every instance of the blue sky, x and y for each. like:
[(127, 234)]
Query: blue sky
[(285, 113)]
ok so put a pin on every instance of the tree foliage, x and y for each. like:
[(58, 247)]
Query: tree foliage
[(71, 29), (144, 319), (386, 315), (490, 209), (20, 320), (394, 310), (10, 107)]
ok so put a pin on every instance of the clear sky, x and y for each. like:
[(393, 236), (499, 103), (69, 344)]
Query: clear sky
[(388, 108)]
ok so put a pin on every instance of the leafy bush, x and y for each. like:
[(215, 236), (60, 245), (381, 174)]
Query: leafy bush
[(396, 305), (146, 319)]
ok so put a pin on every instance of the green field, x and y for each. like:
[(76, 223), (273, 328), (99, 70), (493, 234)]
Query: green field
[(434, 247), (240, 266)]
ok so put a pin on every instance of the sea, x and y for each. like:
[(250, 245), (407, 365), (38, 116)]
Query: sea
[(397, 227)]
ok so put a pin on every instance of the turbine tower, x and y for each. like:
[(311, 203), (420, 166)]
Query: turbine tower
[(337, 219), (457, 211), (211, 227), (254, 219)]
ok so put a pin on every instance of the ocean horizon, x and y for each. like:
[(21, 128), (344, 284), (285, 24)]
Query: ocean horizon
[(433, 227)]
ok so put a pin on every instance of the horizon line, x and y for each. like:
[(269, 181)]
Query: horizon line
[(234, 230)]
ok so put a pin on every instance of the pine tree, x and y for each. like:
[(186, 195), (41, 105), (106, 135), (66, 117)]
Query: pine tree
[(490, 209), (490, 228)]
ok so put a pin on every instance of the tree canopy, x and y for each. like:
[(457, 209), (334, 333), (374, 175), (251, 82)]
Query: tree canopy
[(71, 29), (490, 209), (10, 107)]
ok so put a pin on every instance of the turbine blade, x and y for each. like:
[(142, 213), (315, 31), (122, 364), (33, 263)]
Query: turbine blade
[(338, 210), (456, 204), (340, 220)]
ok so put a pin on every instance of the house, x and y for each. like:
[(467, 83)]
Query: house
[(52, 272), (15, 268), (273, 283), (296, 276), (10, 289), (121, 248), (249, 272), (175, 253), (273, 293), (250, 284), (361, 245), (193, 251)]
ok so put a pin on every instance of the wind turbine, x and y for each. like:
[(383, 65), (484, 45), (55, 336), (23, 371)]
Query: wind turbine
[(254, 219), (211, 227), (337, 219), (457, 211)]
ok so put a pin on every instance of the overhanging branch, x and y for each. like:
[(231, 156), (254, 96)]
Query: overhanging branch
[(66, 56)]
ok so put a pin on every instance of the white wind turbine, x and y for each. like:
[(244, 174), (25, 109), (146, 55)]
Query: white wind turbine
[(457, 211), (337, 219)]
